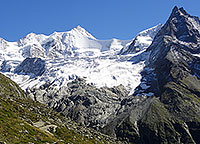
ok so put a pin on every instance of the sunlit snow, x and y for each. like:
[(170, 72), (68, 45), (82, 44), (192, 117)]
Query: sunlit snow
[(75, 53)]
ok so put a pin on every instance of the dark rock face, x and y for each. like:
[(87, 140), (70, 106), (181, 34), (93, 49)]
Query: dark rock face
[(33, 66), (179, 87), (172, 52), (173, 114), (180, 30)]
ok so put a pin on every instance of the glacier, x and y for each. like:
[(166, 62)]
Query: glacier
[(77, 53)]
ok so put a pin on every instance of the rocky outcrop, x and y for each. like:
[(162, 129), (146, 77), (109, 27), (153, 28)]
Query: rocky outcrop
[(32, 51), (82, 102), (31, 66)]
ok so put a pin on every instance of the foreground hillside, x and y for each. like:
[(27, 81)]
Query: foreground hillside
[(24, 121)]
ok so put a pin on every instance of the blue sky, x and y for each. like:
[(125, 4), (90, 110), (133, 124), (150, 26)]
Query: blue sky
[(105, 19)]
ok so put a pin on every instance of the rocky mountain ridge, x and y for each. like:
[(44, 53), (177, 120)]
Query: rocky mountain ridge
[(172, 115)]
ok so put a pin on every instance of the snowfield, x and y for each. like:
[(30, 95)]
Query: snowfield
[(77, 53)]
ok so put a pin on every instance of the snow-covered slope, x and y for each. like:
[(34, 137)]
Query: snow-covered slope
[(77, 42), (76, 53), (142, 41)]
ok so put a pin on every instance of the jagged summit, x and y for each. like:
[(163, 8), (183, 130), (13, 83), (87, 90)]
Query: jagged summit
[(182, 26), (178, 11), (182, 29)]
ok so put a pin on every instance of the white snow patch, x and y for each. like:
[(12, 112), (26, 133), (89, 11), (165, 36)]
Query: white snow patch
[(197, 55)]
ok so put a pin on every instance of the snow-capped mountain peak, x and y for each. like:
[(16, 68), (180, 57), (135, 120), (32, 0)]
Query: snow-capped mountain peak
[(31, 38), (82, 31), (66, 55)]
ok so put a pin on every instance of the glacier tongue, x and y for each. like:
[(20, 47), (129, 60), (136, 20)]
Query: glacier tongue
[(72, 54)]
